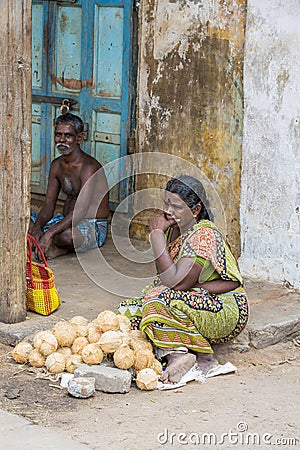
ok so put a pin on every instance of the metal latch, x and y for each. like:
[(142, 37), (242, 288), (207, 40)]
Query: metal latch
[(67, 104)]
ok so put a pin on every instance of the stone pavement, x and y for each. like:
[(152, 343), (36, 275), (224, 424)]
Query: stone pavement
[(98, 281), (20, 434)]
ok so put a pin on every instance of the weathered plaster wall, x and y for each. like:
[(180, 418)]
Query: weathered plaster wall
[(190, 95), (270, 201)]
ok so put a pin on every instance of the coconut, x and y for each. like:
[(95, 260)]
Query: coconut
[(66, 351), (79, 320), (39, 337), (146, 380), (21, 352), (92, 354), (124, 323), (157, 367), (140, 344), (93, 334), (79, 344), (136, 334), (126, 339), (55, 363), (36, 359), (81, 330), (94, 323), (124, 358), (64, 333), (107, 321), (45, 342), (110, 341), (72, 362), (143, 359)]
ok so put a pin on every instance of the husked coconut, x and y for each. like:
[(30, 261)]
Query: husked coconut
[(79, 320), (157, 367), (64, 333), (125, 338), (124, 323), (21, 352), (94, 323), (136, 334), (124, 358), (55, 363), (72, 362), (107, 321), (66, 351), (38, 338), (36, 359), (79, 344), (110, 341), (143, 359), (45, 342), (92, 354), (94, 334), (81, 330), (146, 379)]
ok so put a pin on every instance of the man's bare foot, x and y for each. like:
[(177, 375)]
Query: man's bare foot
[(54, 251), (205, 362), (178, 365)]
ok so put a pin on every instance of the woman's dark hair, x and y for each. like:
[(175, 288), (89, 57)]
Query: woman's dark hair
[(70, 119), (192, 193)]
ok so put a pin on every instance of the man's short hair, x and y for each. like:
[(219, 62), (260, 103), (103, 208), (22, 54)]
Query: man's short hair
[(70, 119)]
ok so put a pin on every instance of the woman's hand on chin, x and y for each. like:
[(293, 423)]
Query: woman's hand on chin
[(161, 223)]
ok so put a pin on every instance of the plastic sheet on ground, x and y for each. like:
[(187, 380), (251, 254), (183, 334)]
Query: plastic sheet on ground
[(194, 374)]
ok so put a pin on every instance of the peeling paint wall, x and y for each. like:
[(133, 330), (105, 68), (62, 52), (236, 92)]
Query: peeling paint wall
[(270, 201), (190, 91)]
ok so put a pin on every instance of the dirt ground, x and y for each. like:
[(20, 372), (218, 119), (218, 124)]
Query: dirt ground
[(256, 405)]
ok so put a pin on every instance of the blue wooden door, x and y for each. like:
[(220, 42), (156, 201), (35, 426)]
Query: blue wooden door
[(81, 53)]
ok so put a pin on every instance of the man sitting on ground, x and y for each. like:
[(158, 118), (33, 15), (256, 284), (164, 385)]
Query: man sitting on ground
[(83, 224)]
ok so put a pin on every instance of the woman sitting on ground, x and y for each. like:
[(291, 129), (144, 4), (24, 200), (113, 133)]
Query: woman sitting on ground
[(197, 298)]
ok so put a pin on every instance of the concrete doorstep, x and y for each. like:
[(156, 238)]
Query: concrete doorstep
[(92, 284)]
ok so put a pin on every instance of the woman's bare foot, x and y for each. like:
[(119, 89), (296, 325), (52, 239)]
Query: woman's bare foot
[(178, 365), (205, 362)]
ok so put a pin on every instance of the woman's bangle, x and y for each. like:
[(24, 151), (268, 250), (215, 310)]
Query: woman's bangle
[(157, 230)]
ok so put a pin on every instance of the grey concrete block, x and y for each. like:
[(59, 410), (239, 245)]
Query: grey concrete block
[(274, 333), (108, 379), (82, 387)]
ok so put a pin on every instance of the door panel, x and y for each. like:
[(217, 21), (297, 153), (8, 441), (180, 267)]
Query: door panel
[(82, 52), (67, 49), (36, 164), (37, 46), (108, 38), (107, 147)]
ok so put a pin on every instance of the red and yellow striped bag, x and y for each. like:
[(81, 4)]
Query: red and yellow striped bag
[(41, 294)]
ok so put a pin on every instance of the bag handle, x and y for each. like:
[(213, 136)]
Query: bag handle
[(31, 240)]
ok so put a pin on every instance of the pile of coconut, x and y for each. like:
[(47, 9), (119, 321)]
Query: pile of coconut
[(77, 341)]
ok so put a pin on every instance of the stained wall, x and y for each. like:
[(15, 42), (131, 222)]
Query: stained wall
[(270, 200), (190, 92)]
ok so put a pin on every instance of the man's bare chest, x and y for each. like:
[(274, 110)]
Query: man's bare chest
[(70, 185)]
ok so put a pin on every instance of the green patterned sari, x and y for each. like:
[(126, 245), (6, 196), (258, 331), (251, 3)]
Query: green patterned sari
[(194, 318)]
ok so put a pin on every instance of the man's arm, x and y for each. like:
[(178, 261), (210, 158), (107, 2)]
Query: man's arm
[(48, 207), (81, 208)]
